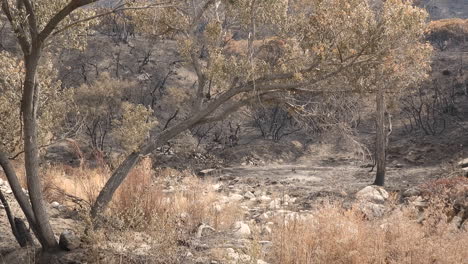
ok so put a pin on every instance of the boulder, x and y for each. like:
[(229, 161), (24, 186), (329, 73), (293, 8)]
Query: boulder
[(241, 229), (463, 163), (249, 195), (372, 210), (275, 204), (69, 241), (205, 230), (373, 194), (236, 197)]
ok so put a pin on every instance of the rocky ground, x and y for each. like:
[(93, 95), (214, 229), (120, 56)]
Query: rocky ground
[(266, 192)]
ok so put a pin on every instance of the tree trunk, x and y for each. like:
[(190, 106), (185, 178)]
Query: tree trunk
[(29, 103), (15, 186), (380, 144)]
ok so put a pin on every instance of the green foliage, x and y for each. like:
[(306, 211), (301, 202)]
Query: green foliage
[(53, 102), (103, 109), (134, 126)]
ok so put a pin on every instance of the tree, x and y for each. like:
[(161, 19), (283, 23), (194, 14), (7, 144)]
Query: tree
[(34, 23), (104, 112), (404, 65), (291, 50)]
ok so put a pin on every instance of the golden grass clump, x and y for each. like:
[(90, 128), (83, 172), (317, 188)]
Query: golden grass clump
[(336, 235)]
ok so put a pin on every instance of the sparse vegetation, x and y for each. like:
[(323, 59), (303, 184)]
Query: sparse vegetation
[(209, 131)]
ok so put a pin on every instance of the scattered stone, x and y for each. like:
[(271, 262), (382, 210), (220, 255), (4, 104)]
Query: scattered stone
[(204, 230), (218, 208), (419, 202), (1, 182), (249, 195), (217, 186), (69, 241), (266, 230), (465, 172), (265, 198), (275, 204), (373, 194), (261, 262), (372, 210), (412, 192), (7, 190), (241, 229), (55, 205), (208, 172), (463, 163), (236, 197)]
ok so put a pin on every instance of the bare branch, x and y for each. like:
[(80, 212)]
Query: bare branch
[(31, 19), (61, 15), (119, 8), (19, 32)]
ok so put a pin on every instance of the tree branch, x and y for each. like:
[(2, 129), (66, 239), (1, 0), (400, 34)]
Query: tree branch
[(19, 32), (61, 15), (31, 19), (114, 10)]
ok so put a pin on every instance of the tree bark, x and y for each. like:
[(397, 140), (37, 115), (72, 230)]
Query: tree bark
[(29, 103), (380, 144)]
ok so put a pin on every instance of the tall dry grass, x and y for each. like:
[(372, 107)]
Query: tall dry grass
[(158, 208), (337, 235)]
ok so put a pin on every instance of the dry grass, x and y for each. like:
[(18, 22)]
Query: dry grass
[(337, 235), (455, 25), (151, 213), (453, 29)]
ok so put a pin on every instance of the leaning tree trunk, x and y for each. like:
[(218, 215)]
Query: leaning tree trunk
[(380, 143), (18, 228), (29, 102)]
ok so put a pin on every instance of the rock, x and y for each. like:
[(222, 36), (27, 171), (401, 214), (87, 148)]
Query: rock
[(55, 205), (275, 204), (217, 186), (7, 190), (373, 194), (259, 193), (372, 210), (69, 241), (204, 230), (419, 202), (235, 257), (266, 230), (261, 262), (208, 172), (218, 208), (1, 182), (412, 192), (249, 195), (265, 198), (236, 197), (241, 229), (465, 172), (463, 163)]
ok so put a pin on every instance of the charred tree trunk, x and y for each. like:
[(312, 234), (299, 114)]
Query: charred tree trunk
[(380, 144)]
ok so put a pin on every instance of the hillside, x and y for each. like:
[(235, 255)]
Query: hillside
[(239, 132)]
